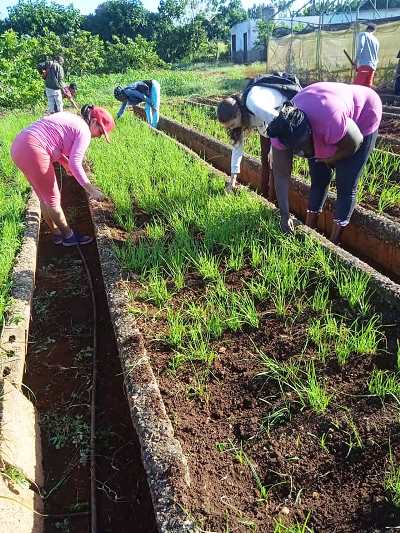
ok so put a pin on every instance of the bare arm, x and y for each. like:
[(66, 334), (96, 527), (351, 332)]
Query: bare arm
[(347, 146), (282, 161)]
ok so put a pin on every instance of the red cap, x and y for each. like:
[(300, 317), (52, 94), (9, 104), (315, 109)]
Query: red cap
[(104, 119)]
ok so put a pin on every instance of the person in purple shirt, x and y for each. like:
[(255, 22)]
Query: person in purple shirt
[(335, 127)]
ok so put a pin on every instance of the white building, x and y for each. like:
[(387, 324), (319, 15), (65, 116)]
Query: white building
[(243, 42)]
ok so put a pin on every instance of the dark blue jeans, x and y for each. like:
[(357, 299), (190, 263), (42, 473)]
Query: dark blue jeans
[(348, 172)]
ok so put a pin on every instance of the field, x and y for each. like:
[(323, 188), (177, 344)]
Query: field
[(276, 361), (274, 366)]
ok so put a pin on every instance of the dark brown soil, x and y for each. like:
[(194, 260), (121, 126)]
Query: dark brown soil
[(59, 366), (339, 485), (390, 126)]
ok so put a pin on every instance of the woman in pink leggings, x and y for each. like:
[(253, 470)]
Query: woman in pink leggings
[(62, 138)]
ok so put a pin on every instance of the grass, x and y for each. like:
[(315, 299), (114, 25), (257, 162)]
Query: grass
[(13, 195), (174, 82)]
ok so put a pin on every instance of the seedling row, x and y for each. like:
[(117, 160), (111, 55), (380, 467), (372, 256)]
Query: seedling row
[(277, 371)]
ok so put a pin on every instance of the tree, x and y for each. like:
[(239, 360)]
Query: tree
[(35, 17), (83, 52), (20, 83), (227, 15), (129, 53), (122, 18)]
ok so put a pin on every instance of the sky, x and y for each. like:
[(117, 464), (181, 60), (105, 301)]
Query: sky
[(88, 6)]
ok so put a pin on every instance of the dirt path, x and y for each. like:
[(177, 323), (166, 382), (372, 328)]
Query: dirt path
[(59, 373)]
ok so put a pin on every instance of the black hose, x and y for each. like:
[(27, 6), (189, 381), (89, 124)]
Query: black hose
[(93, 506)]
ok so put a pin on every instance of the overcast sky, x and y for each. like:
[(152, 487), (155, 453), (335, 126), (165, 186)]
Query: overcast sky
[(88, 6)]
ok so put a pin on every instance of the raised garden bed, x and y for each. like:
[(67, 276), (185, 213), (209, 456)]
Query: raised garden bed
[(370, 236), (271, 353)]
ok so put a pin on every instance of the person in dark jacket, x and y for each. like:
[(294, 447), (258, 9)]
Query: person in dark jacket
[(53, 75), (147, 91)]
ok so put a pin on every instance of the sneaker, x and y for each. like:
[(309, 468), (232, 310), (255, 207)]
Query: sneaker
[(77, 240), (57, 238)]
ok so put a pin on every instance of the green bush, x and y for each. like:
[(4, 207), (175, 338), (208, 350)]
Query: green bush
[(128, 53), (20, 83)]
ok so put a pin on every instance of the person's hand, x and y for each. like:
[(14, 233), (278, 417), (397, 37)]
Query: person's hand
[(94, 193), (287, 225)]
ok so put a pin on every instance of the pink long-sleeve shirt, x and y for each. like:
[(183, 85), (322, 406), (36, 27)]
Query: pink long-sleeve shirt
[(64, 134)]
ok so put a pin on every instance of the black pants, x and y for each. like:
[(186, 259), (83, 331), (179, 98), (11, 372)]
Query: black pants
[(348, 172)]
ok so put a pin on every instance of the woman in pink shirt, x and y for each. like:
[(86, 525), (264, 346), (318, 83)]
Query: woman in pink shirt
[(62, 138), (335, 127)]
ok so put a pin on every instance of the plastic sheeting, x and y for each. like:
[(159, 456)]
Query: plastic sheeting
[(320, 54)]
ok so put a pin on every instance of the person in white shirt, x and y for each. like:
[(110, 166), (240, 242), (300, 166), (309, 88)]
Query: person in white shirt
[(255, 111), (366, 56)]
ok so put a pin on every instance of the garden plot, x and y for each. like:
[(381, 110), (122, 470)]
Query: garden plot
[(278, 373), (379, 187)]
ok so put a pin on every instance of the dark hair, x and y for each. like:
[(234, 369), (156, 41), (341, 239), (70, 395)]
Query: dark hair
[(119, 94), (228, 109), (85, 112), (73, 86), (371, 26), (290, 126)]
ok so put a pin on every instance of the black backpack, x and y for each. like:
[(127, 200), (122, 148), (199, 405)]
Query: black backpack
[(287, 84)]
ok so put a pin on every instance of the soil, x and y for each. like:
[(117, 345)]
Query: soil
[(58, 376), (340, 487), (390, 127)]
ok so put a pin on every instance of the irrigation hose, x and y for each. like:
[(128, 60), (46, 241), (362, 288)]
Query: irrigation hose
[(93, 506)]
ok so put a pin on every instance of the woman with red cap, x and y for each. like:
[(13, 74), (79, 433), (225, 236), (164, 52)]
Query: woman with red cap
[(62, 138)]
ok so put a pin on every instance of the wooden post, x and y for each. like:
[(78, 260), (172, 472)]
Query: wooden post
[(267, 181)]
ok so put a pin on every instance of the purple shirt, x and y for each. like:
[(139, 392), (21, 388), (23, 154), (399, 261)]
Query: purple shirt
[(64, 134), (329, 106)]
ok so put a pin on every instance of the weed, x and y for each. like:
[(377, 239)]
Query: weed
[(15, 475), (67, 430)]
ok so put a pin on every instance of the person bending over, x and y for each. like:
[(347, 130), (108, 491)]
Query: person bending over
[(63, 138), (260, 103), (335, 127), (147, 91)]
